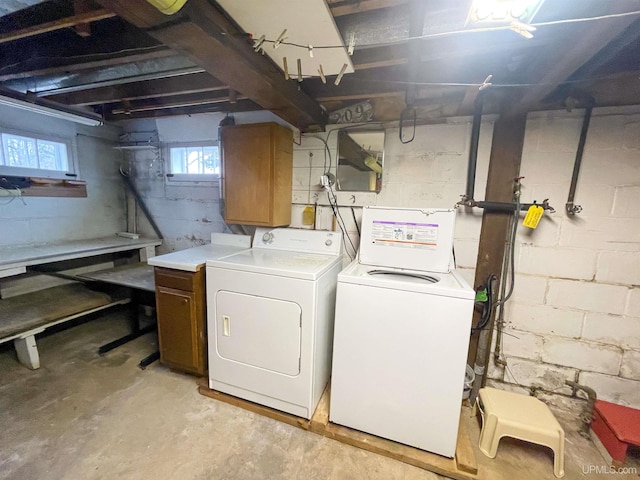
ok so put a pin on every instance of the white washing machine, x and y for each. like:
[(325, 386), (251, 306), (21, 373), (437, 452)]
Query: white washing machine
[(403, 319), (270, 313)]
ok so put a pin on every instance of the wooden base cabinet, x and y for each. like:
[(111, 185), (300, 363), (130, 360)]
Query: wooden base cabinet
[(181, 311)]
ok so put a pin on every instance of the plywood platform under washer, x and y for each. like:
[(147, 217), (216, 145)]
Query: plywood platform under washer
[(462, 467)]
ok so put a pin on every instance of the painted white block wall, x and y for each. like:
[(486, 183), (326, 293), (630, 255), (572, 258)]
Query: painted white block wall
[(42, 220), (186, 214), (575, 312)]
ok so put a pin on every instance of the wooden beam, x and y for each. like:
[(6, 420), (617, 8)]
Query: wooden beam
[(190, 100), (80, 7), (339, 9), (239, 106), (559, 67), (69, 66), (212, 41), (158, 88), (67, 22), (376, 57), (504, 167)]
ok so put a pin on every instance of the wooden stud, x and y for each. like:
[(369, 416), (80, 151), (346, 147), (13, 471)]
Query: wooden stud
[(504, 167), (83, 18)]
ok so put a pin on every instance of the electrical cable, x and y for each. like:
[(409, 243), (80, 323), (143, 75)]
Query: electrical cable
[(333, 202), (355, 221), (459, 32), (13, 197)]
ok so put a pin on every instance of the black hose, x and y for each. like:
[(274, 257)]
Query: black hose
[(512, 261)]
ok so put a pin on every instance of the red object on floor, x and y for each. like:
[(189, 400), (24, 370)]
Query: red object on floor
[(617, 427)]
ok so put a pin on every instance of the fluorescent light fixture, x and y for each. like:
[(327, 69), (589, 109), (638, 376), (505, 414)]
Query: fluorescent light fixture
[(503, 11), (48, 108)]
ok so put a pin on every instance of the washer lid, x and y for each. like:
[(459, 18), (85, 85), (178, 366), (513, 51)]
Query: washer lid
[(305, 266), (410, 238), (446, 284)]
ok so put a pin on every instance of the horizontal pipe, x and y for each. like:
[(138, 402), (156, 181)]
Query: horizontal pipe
[(508, 206)]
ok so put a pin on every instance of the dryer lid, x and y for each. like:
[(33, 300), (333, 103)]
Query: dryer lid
[(409, 238)]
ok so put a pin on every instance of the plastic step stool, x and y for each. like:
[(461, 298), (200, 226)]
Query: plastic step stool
[(616, 427), (507, 414)]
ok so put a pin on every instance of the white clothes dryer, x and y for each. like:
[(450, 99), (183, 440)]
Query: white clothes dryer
[(401, 334), (270, 313)]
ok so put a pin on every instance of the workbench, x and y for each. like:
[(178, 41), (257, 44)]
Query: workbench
[(24, 316)]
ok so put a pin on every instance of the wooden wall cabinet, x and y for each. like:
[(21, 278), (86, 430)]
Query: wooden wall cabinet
[(181, 312), (257, 174)]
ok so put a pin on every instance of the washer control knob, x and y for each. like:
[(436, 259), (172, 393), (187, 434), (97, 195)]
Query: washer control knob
[(267, 237), (328, 242)]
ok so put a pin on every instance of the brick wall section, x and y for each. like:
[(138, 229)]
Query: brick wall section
[(575, 312)]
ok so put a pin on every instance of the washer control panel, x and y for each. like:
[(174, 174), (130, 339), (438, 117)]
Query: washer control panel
[(298, 240)]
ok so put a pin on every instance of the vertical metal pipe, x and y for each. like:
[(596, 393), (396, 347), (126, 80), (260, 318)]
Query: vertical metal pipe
[(473, 148), (570, 207)]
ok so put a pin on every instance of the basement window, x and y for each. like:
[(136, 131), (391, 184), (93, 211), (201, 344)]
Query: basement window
[(192, 162), (29, 155)]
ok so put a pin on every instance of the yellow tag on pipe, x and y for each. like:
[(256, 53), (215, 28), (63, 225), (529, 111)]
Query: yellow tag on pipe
[(533, 216)]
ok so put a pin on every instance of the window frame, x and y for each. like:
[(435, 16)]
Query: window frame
[(72, 172), (190, 179)]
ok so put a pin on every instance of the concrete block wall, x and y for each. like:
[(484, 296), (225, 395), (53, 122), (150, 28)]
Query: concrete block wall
[(51, 219), (186, 214), (575, 311), (428, 172)]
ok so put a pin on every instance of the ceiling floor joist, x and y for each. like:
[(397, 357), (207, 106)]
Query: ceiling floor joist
[(209, 39)]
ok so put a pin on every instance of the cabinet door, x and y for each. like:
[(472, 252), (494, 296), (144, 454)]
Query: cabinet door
[(177, 328), (248, 180)]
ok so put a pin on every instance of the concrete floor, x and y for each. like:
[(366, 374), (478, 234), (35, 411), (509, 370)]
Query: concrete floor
[(81, 416)]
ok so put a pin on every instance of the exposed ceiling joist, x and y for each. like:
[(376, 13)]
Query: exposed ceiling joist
[(240, 106), (340, 8), (209, 39), (176, 101), (157, 88), (558, 68), (71, 66), (82, 18)]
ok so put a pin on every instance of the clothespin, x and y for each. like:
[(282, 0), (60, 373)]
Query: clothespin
[(310, 51), (258, 44), (523, 29), (321, 73), (486, 84), (281, 38), (299, 70), (337, 82), (352, 43), (286, 68)]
